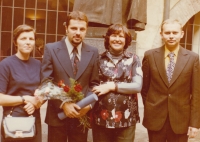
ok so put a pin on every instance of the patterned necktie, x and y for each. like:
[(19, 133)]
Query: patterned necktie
[(170, 66), (75, 61)]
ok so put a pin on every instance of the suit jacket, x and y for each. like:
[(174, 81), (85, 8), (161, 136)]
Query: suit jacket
[(179, 100), (57, 65)]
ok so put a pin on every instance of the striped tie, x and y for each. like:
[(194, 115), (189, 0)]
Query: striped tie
[(170, 66)]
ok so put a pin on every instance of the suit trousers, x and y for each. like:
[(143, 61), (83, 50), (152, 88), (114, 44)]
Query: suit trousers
[(166, 134), (103, 134), (72, 131)]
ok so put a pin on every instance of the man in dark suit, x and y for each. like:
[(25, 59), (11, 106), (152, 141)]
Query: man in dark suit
[(171, 88), (57, 64)]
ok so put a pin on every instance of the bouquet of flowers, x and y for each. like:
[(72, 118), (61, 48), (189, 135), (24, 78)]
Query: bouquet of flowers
[(64, 93)]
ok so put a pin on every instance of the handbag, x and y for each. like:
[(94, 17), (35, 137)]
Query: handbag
[(18, 128)]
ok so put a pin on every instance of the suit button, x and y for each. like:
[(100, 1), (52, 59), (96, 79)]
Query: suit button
[(169, 95)]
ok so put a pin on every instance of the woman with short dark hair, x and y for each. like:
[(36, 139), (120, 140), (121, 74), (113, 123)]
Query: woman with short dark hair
[(116, 113), (19, 77)]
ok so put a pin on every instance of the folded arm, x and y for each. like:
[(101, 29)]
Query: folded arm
[(31, 103)]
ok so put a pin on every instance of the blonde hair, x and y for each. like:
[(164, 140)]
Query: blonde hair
[(171, 21)]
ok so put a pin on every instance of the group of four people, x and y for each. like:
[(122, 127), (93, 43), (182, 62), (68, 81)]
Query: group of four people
[(171, 99)]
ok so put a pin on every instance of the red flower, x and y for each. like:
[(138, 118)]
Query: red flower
[(118, 116), (104, 114), (72, 91), (78, 87), (60, 83), (66, 88)]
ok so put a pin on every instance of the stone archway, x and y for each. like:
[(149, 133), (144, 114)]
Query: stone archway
[(182, 10)]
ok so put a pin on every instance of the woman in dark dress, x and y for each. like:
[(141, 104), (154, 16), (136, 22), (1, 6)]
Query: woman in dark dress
[(19, 77), (116, 112)]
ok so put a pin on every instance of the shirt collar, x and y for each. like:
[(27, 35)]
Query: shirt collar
[(70, 47), (167, 51)]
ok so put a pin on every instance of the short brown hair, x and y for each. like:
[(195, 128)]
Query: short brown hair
[(76, 15), (116, 29), (171, 21), (20, 29)]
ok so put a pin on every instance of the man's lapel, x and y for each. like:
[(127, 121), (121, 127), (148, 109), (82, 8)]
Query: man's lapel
[(159, 58), (62, 55), (181, 61), (86, 56)]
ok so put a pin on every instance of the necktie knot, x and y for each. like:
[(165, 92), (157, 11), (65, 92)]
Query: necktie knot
[(171, 55), (75, 51)]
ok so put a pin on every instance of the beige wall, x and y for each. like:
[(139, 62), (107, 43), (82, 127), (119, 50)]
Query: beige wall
[(173, 2), (154, 18)]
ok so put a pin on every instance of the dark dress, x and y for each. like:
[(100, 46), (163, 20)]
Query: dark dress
[(19, 77)]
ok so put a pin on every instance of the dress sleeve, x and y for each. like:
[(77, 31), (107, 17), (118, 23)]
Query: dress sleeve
[(4, 76), (136, 84)]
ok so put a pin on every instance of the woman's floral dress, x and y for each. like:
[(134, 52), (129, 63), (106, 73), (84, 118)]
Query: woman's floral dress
[(115, 110)]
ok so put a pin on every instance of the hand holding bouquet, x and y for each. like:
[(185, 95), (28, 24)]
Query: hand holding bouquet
[(66, 94)]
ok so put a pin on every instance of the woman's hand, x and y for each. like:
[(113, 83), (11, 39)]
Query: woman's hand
[(29, 108), (104, 88), (33, 100)]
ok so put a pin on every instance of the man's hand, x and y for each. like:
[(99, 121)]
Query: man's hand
[(192, 132), (71, 110), (84, 110)]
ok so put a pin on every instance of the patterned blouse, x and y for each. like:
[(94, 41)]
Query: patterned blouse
[(115, 110)]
